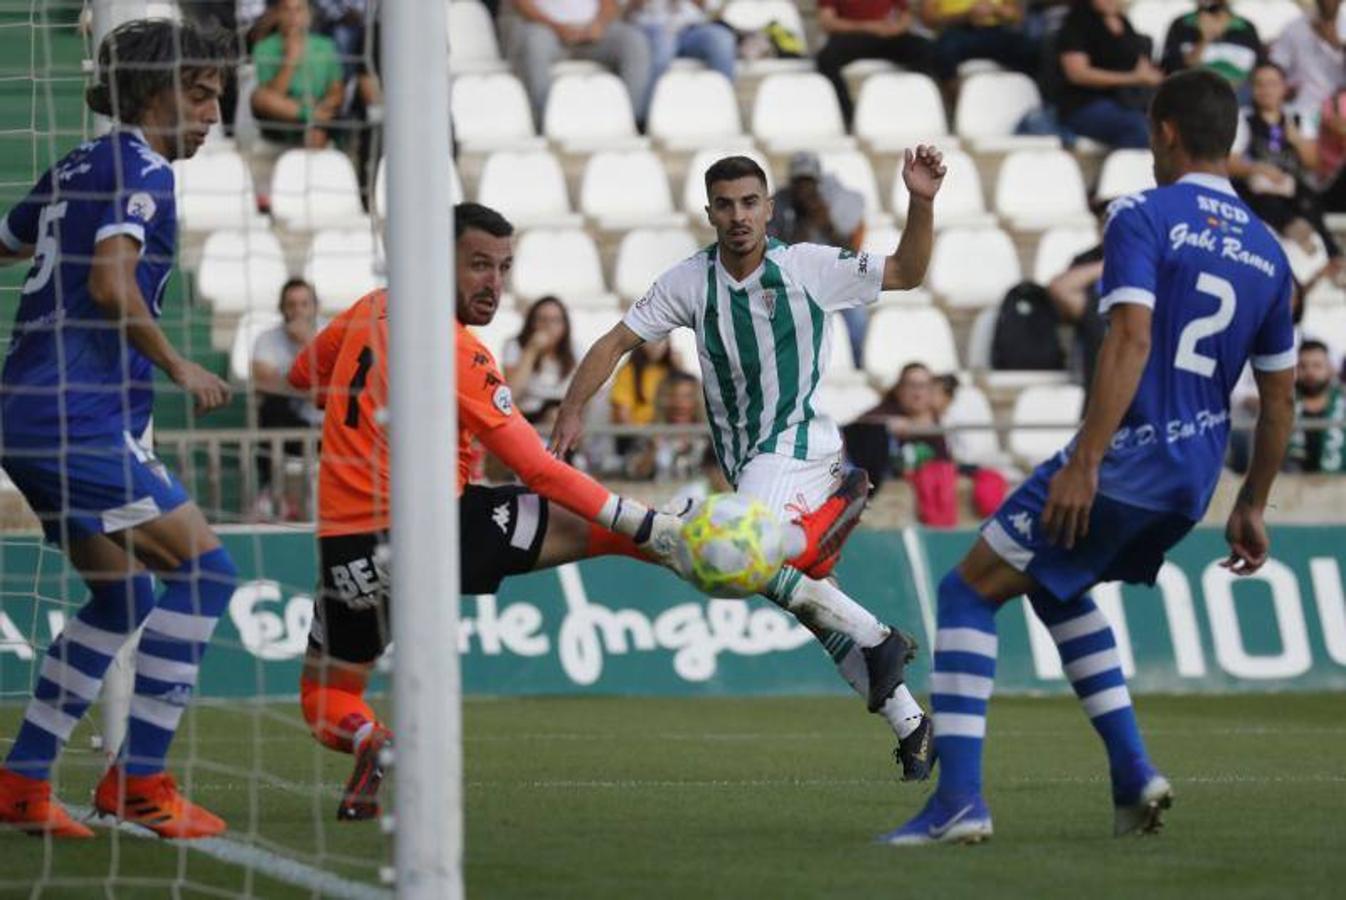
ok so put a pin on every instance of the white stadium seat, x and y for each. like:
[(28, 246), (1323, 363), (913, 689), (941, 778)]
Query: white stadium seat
[(973, 267), (1057, 404), (1125, 172), (694, 187), (899, 109), (343, 265), (250, 325), (961, 200), (990, 104), (899, 335), (1040, 188), (840, 355), (625, 188), (241, 271), (881, 239), (1326, 324), (506, 324), (528, 188), (312, 189), (1269, 17), (646, 253), (491, 112), (797, 110), (472, 43), (980, 337), (970, 407), (1057, 247), (754, 15), (694, 109), (589, 111), (588, 325), (214, 191), (1152, 18), (381, 187), (562, 262), (852, 169), (843, 403)]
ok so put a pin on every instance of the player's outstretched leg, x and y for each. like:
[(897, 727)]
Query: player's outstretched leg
[(827, 527), (960, 687), (1088, 651), (332, 696)]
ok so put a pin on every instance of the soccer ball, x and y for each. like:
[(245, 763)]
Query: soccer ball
[(732, 545)]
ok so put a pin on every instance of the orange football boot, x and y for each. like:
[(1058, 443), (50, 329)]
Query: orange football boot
[(827, 527), (27, 804), (154, 802)]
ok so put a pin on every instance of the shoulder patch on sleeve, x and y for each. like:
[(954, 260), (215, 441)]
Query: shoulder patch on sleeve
[(141, 205), (503, 400)]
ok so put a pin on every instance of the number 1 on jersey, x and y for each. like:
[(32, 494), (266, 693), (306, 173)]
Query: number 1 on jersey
[(1187, 358), (357, 387)]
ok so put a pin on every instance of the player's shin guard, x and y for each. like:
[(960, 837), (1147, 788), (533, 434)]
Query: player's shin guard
[(1088, 651), (176, 636), (961, 684), (823, 606), (72, 671), (337, 714)]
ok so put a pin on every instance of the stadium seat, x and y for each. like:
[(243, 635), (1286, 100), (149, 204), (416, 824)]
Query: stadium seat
[(795, 111), (506, 324), (1152, 18), (562, 262), (990, 105), (343, 265), (1269, 17), (1057, 247), (312, 189), (881, 239), (1040, 188), (588, 325), (527, 187), (1057, 404), (922, 111), (840, 355), (1327, 324), (644, 254), (973, 267), (852, 169), (490, 111), (694, 187), (843, 403), (1125, 172), (754, 15), (472, 43), (251, 324), (980, 338), (214, 191), (970, 407), (961, 203), (589, 112), (899, 335), (626, 188), (381, 187), (683, 341), (694, 109), (241, 271)]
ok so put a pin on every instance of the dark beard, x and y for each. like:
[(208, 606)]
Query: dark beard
[(1312, 389)]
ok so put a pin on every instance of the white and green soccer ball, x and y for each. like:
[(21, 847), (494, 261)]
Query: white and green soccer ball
[(733, 545)]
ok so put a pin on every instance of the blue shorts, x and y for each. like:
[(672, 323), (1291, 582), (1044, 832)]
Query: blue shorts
[(1125, 542), (91, 487)]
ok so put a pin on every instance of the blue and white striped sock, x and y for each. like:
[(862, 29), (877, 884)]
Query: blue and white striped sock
[(1089, 656), (961, 684), (176, 636), (73, 669)]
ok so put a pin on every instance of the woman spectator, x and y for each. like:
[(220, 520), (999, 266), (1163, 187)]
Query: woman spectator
[(636, 384), (668, 457), (680, 28), (1271, 163), (539, 362), (1107, 75)]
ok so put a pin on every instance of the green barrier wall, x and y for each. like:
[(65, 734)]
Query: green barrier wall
[(614, 626)]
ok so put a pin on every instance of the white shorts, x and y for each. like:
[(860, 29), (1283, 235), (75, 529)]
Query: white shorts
[(790, 487)]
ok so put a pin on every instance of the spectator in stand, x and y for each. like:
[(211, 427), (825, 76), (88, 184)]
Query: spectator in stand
[(1074, 294), (540, 33), (1215, 38), (344, 22), (539, 362), (979, 29), (300, 86), (1319, 397), (1309, 51), (869, 29), (278, 405), (1107, 75), (818, 209), (636, 384), (672, 458), (1272, 162), (680, 28)]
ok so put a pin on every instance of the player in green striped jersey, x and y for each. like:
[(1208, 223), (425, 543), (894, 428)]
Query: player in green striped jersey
[(761, 313)]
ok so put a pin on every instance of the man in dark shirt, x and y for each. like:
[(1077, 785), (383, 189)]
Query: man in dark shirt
[(1318, 396), (868, 29)]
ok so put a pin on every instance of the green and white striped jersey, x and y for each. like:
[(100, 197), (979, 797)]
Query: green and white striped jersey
[(763, 342)]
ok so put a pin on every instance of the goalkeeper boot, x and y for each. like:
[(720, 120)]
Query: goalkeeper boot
[(827, 527), (1142, 812), (27, 804), (886, 663), (965, 820), (361, 799), (154, 802), (915, 753)]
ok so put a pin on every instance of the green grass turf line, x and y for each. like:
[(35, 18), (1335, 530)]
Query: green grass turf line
[(780, 797)]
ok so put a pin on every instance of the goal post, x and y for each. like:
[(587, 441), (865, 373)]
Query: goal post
[(422, 422)]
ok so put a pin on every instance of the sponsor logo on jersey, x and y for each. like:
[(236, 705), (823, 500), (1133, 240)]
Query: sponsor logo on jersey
[(500, 516), (644, 300), (1023, 523), (141, 206), (503, 400), (863, 266)]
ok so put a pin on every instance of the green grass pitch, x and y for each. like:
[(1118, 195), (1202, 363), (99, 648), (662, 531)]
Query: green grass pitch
[(779, 797)]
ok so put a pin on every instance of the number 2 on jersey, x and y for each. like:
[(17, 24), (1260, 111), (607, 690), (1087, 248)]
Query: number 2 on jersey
[(357, 386), (1188, 358)]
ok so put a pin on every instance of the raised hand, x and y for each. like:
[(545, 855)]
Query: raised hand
[(923, 171)]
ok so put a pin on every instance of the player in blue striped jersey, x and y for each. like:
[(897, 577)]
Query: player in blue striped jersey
[(75, 398), (1195, 287)]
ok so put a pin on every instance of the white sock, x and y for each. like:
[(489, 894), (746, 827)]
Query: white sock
[(361, 734), (823, 605), (902, 711)]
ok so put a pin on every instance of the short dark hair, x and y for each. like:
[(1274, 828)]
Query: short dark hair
[(139, 59), (1309, 345), (290, 285), (1202, 107), (732, 168), (1271, 64), (483, 218)]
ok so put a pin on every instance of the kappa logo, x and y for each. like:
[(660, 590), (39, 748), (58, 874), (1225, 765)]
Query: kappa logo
[(141, 206), (1023, 523), (491, 380), (500, 516)]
